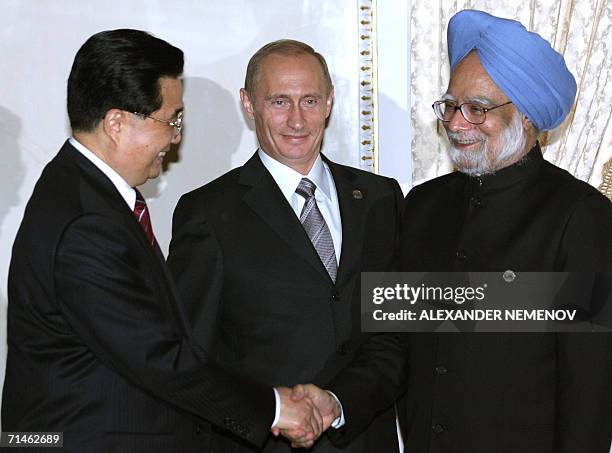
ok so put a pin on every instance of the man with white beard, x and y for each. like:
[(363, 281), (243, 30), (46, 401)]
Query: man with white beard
[(484, 160), (505, 209)]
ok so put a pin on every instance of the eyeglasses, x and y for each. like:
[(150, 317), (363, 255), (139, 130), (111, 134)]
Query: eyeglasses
[(176, 123), (473, 113)]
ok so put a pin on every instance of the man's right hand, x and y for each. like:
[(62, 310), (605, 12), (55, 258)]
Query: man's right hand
[(324, 401), (327, 405), (299, 419)]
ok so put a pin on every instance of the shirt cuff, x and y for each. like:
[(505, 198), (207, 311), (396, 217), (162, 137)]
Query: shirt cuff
[(278, 408), (340, 421)]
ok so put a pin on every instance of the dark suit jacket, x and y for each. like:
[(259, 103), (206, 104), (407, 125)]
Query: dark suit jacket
[(97, 344), (503, 393), (257, 293)]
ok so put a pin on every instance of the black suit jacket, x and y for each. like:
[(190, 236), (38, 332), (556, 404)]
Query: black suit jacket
[(484, 392), (97, 340), (257, 293)]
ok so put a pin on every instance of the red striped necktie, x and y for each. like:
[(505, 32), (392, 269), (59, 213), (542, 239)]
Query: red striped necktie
[(142, 215)]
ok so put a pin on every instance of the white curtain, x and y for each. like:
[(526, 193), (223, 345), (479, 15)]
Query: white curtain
[(579, 29)]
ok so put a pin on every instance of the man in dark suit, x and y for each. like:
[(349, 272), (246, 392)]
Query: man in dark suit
[(98, 344), (506, 209), (270, 270)]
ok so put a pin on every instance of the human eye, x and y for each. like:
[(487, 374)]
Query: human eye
[(310, 102), (475, 109), (279, 103), (448, 107), (177, 121)]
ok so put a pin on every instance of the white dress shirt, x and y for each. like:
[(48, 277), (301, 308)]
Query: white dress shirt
[(326, 197), (126, 191)]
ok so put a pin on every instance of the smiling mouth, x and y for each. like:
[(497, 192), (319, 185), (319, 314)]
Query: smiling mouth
[(295, 137), (466, 143), (160, 157)]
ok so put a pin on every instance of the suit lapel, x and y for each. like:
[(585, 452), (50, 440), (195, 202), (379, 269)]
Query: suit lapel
[(268, 202), (352, 201), (109, 197)]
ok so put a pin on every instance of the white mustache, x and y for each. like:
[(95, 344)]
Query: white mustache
[(484, 160), (464, 137)]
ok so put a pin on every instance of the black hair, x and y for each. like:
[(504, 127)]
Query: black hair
[(119, 69)]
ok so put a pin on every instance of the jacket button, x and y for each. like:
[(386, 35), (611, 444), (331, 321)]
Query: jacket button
[(199, 428), (341, 349), (461, 254), (476, 201), (441, 369), (336, 296), (438, 428)]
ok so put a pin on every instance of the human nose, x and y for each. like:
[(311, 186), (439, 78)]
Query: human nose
[(178, 136), (458, 122), (295, 120)]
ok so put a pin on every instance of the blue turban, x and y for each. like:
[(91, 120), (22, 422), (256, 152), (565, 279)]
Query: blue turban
[(522, 64)]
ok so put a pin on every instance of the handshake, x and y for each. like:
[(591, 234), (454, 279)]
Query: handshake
[(306, 412)]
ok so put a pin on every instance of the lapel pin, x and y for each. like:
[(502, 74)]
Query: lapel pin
[(357, 195), (509, 276)]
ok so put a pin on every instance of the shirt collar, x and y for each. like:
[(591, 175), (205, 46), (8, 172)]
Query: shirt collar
[(288, 179), (126, 191)]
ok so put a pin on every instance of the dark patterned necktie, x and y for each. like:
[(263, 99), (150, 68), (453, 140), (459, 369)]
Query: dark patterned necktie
[(316, 228), (142, 215)]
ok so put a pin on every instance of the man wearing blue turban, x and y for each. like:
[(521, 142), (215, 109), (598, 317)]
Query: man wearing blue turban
[(506, 208)]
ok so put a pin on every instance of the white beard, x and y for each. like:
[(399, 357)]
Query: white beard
[(485, 161)]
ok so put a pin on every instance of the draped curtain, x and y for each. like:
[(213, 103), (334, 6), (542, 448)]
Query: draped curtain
[(578, 29)]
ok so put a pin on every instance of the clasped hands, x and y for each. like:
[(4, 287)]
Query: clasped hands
[(306, 412)]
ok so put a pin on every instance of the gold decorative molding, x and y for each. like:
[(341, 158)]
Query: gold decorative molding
[(606, 183), (368, 87)]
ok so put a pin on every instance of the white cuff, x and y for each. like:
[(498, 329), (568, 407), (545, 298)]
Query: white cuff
[(340, 421), (278, 408)]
